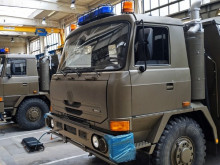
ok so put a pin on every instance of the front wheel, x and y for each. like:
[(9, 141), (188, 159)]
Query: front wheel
[(182, 143), (30, 114)]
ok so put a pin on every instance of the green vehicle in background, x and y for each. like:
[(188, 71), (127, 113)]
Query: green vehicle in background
[(24, 90)]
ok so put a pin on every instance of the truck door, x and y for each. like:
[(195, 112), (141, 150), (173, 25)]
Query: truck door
[(2, 61), (15, 81), (153, 90)]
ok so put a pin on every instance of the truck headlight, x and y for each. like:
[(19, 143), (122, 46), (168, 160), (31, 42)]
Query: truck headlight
[(95, 141)]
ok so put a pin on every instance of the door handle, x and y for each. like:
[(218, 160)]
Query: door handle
[(170, 86), (24, 84)]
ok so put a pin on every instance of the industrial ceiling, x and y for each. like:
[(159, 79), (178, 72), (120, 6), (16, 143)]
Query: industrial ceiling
[(56, 12)]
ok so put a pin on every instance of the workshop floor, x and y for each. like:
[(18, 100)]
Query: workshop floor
[(55, 153)]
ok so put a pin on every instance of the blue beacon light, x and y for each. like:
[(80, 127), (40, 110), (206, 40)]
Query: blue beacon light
[(98, 13)]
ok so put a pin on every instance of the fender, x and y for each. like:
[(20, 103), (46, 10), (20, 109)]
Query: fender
[(21, 98), (158, 128)]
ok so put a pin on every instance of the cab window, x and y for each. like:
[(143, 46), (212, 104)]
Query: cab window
[(156, 46), (16, 66)]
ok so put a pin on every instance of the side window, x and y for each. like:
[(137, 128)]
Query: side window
[(17, 66), (159, 47)]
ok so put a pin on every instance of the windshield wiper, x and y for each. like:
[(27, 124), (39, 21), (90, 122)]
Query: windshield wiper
[(91, 70), (71, 70), (79, 71), (62, 72)]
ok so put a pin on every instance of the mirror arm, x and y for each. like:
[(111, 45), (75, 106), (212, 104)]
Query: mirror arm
[(144, 47)]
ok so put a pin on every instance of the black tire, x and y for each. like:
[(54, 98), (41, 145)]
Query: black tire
[(182, 143), (30, 114)]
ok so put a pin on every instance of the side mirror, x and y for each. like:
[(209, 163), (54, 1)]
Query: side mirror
[(145, 46), (8, 71)]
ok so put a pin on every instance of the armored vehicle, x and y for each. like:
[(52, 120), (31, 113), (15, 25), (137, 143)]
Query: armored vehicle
[(24, 98), (133, 83)]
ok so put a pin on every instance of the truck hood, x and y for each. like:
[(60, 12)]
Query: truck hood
[(80, 96)]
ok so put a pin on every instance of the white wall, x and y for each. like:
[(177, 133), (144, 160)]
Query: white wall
[(19, 46)]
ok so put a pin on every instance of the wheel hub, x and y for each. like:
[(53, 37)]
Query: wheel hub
[(183, 152), (33, 114)]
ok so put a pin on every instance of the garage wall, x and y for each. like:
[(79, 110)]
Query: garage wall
[(19, 46)]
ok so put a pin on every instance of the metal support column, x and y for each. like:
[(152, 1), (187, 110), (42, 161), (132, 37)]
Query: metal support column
[(28, 46), (42, 44)]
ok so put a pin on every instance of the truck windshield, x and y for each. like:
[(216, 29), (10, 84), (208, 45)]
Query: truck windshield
[(99, 48)]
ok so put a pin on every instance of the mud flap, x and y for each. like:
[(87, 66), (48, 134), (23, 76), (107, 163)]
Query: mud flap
[(121, 148)]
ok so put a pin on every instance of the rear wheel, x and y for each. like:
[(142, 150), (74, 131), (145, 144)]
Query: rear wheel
[(182, 143), (30, 114)]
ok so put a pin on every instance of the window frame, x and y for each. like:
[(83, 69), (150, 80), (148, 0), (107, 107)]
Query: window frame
[(169, 47)]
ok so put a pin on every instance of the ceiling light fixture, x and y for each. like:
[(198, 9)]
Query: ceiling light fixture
[(44, 21), (12, 39), (72, 6)]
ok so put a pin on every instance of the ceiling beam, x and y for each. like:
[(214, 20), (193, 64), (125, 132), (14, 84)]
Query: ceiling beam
[(43, 5), (13, 21), (34, 14), (28, 29)]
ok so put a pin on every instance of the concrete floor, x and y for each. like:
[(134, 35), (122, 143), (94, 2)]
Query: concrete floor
[(55, 153)]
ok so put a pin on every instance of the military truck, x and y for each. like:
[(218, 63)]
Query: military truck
[(133, 82), (24, 98)]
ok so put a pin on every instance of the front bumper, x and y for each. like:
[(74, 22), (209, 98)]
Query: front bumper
[(119, 148)]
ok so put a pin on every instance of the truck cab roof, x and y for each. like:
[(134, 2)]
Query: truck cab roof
[(132, 18), (215, 20), (159, 20)]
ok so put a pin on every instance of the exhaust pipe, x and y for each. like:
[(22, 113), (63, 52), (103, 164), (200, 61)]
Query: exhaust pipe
[(194, 10), (195, 51)]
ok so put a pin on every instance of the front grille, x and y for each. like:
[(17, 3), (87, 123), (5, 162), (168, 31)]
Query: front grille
[(70, 129), (82, 134), (59, 125)]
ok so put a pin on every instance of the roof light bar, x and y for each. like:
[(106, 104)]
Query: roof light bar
[(73, 27), (95, 14), (4, 50), (127, 6)]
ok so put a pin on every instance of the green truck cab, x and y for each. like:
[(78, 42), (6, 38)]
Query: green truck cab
[(21, 98), (133, 83)]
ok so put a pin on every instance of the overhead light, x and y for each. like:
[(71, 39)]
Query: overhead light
[(12, 39), (72, 6), (44, 21)]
